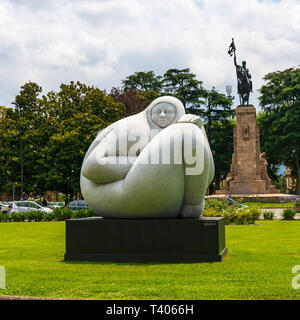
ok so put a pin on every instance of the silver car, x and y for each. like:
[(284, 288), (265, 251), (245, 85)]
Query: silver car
[(25, 206)]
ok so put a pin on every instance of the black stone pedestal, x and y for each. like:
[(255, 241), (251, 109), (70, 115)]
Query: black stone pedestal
[(159, 240)]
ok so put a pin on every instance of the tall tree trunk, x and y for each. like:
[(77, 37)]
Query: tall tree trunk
[(211, 189), (298, 177)]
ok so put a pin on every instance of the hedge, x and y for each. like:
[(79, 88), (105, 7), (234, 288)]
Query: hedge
[(214, 208), (232, 214), (59, 214)]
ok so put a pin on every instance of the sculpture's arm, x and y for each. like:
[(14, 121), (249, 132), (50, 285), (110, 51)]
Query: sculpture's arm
[(234, 60), (191, 118), (101, 167), (106, 169)]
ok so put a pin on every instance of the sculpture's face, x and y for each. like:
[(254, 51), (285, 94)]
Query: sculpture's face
[(163, 114)]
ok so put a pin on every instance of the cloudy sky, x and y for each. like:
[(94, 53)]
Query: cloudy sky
[(100, 42)]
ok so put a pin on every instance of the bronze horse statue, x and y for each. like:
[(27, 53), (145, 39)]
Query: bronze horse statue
[(244, 82), (243, 77)]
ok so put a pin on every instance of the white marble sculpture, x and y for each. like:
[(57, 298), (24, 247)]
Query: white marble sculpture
[(155, 164)]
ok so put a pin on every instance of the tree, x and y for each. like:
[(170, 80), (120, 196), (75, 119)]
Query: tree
[(134, 101), (24, 125), (77, 112), (2, 168), (57, 130), (280, 122), (183, 85), (179, 83), (217, 115), (142, 81)]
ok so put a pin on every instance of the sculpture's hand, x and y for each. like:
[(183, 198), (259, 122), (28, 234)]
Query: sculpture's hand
[(191, 118)]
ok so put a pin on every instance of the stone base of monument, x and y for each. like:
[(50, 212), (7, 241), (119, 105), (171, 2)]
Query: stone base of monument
[(153, 240)]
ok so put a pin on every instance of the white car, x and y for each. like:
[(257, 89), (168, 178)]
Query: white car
[(25, 206), (4, 207)]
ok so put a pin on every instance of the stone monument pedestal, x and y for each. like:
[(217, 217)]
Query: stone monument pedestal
[(248, 170), (152, 240)]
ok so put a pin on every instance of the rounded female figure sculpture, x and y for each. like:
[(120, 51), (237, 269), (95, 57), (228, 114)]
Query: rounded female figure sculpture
[(155, 164)]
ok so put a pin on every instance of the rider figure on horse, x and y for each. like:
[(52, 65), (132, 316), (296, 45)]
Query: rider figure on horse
[(243, 78)]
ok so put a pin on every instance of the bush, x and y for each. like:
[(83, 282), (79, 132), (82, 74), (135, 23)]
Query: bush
[(4, 217), (61, 214), (297, 205), (48, 216), (215, 204), (232, 214), (17, 217), (268, 215), (34, 215), (289, 214), (84, 213)]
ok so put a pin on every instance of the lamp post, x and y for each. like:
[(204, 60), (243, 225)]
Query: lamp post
[(21, 147), (228, 91)]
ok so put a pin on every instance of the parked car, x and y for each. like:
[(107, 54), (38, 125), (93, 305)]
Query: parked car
[(55, 205), (25, 206), (235, 203), (77, 205), (228, 200), (4, 207)]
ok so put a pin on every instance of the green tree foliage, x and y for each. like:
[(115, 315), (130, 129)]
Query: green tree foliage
[(217, 107), (183, 85), (56, 131), (78, 112), (142, 81), (179, 83), (280, 122), (2, 168), (22, 124)]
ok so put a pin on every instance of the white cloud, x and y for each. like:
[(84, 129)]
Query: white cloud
[(102, 42)]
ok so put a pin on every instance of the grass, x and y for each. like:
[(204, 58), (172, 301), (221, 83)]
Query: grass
[(270, 205), (258, 266)]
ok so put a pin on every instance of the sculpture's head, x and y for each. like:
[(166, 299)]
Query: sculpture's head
[(163, 114), (164, 111), (244, 63)]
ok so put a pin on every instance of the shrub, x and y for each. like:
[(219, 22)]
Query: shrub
[(297, 205), (84, 213), (4, 217), (61, 214), (268, 215), (233, 214), (215, 204), (17, 217), (34, 215), (48, 216), (288, 214)]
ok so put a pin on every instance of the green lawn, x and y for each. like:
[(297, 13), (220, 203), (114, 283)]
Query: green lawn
[(258, 266)]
